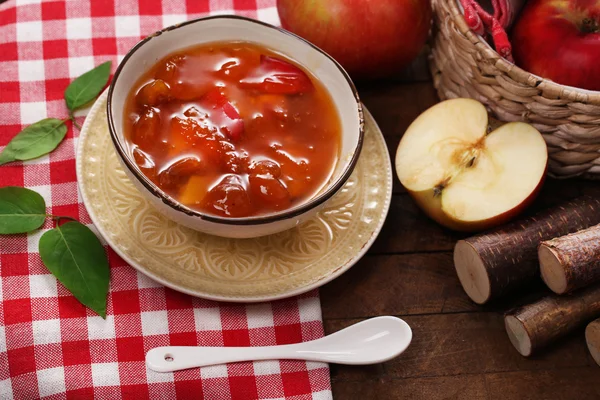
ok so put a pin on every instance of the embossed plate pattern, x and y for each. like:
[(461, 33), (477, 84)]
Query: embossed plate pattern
[(240, 270)]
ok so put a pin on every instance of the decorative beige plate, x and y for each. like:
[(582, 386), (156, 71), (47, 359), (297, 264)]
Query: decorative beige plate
[(241, 270)]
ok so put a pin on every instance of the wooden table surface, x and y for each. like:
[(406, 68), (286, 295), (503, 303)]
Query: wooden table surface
[(459, 350)]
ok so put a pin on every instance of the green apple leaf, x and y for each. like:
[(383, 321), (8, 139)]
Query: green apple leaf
[(21, 210), (34, 141), (87, 87), (73, 254)]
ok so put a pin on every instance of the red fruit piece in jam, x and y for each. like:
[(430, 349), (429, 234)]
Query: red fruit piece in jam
[(178, 172), (146, 129), (234, 161), (228, 198), (223, 114), (268, 189), (237, 64), (295, 175), (174, 73), (153, 93), (193, 112), (190, 136), (168, 72), (276, 76), (190, 130), (264, 167), (185, 167), (145, 163)]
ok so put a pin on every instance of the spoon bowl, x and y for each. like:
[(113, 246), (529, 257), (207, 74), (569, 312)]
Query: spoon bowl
[(368, 342)]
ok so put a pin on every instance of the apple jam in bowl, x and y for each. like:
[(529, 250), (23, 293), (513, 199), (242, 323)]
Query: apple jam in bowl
[(234, 127)]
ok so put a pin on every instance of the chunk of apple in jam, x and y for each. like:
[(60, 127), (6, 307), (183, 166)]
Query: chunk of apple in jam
[(269, 190), (240, 60), (295, 174), (169, 71), (145, 163), (184, 84), (146, 129), (265, 185), (188, 136), (196, 114), (296, 184), (228, 198), (264, 167), (195, 189), (153, 93), (276, 76), (190, 130), (234, 161), (179, 171)]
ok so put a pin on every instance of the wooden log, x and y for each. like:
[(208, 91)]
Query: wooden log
[(571, 262), (492, 264), (592, 338), (533, 326)]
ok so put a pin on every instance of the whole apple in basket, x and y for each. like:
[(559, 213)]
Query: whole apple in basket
[(370, 38), (560, 40)]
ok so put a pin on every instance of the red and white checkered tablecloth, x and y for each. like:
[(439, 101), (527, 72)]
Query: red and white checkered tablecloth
[(50, 345)]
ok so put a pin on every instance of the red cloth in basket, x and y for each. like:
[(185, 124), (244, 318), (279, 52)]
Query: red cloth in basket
[(494, 17)]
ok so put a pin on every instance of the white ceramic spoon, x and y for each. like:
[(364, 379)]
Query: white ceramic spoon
[(368, 342)]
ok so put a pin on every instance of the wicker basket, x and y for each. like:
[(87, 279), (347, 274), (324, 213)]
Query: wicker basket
[(464, 65)]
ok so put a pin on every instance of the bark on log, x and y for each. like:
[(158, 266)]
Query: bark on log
[(492, 264), (592, 338), (533, 326), (571, 262)]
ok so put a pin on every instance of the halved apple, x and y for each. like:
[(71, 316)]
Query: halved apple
[(464, 176)]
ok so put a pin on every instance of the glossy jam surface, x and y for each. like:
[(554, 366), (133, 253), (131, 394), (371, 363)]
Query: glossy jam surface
[(232, 129)]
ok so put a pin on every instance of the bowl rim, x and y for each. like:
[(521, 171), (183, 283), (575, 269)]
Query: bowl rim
[(252, 220)]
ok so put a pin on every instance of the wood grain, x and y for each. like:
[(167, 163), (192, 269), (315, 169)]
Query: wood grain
[(399, 233), (460, 350), (393, 113), (565, 383), (466, 387), (395, 285)]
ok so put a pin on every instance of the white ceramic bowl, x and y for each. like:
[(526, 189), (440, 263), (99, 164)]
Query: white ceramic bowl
[(233, 28)]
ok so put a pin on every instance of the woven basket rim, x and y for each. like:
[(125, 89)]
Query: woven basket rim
[(516, 73)]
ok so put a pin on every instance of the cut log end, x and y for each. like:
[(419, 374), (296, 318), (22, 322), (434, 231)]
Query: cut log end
[(517, 333), (471, 272), (571, 262), (553, 272), (592, 338), (533, 326), (492, 264)]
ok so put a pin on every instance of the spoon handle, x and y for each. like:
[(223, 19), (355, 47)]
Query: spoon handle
[(175, 358)]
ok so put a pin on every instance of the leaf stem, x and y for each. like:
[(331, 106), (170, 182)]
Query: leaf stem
[(72, 118), (57, 218)]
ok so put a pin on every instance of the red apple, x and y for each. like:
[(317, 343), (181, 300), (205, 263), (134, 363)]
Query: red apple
[(371, 39), (560, 40)]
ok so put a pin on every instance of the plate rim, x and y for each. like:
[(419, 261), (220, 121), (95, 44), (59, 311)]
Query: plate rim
[(96, 107)]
